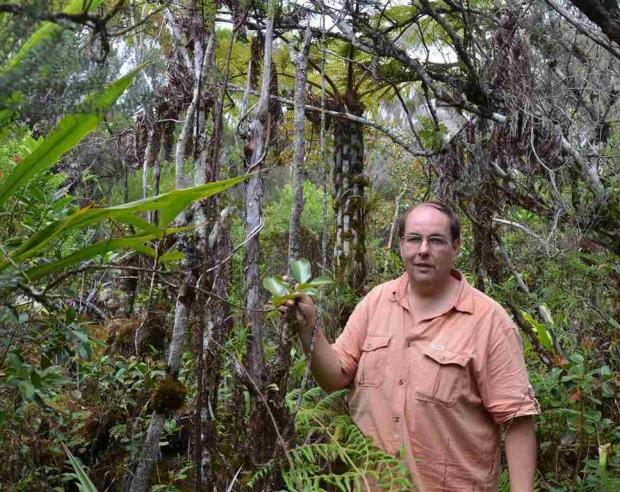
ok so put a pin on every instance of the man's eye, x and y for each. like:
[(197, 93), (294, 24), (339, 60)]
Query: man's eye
[(414, 239), (437, 241)]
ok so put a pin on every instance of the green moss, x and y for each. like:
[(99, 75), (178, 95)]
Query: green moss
[(169, 395)]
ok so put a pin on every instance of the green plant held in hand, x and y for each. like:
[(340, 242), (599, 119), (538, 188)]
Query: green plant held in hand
[(281, 290)]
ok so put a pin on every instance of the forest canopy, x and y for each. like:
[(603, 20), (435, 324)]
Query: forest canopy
[(171, 171)]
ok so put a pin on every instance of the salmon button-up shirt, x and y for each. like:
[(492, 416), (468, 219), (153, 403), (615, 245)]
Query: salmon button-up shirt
[(440, 388)]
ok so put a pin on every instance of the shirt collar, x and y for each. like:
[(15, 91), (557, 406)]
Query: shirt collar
[(463, 301)]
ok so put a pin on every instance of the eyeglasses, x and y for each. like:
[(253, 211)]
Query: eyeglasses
[(435, 243)]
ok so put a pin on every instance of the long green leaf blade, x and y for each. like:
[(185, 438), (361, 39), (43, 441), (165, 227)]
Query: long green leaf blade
[(69, 132), (91, 216), (135, 243), (85, 482)]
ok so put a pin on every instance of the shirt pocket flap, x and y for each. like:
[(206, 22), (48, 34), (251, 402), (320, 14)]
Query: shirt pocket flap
[(375, 342), (447, 357)]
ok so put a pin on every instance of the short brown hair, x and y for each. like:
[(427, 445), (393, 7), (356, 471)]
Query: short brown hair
[(455, 225)]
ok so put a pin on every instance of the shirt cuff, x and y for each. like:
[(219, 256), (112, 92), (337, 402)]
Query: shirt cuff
[(528, 405)]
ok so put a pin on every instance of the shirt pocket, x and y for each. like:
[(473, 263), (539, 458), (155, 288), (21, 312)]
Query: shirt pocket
[(371, 370), (443, 377)]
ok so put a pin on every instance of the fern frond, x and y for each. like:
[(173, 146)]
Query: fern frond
[(261, 473), (334, 442)]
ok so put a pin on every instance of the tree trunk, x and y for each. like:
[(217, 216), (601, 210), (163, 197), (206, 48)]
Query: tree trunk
[(254, 151), (218, 325), (263, 437), (349, 209), (150, 448), (185, 298), (300, 60)]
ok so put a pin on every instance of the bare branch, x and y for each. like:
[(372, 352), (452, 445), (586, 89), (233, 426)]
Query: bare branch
[(582, 28), (397, 139)]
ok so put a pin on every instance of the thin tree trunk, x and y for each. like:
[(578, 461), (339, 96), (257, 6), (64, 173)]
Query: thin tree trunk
[(280, 368), (185, 298), (150, 448), (300, 60), (264, 443), (181, 151), (218, 324), (325, 167), (145, 165), (255, 150)]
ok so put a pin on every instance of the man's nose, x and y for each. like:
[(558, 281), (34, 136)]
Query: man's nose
[(423, 249)]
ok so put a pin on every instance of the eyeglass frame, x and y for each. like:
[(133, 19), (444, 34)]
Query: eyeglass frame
[(445, 242)]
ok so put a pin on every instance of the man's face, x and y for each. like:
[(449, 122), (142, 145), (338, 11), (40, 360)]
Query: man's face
[(427, 248)]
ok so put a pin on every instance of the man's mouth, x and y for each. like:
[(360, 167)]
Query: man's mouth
[(423, 265)]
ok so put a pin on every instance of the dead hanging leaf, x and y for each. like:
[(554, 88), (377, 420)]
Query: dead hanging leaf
[(576, 396)]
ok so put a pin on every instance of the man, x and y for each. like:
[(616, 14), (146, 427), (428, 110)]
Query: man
[(436, 366)]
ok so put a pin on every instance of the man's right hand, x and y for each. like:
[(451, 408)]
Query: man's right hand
[(325, 363), (300, 312)]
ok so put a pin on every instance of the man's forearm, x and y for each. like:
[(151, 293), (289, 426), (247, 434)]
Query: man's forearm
[(520, 446), (325, 364)]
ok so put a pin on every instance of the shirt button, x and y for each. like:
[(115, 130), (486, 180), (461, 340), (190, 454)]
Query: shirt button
[(408, 344), (397, 419), (401, 381)]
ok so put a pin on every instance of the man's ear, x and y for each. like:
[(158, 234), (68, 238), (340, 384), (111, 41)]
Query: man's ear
[(456, 244)]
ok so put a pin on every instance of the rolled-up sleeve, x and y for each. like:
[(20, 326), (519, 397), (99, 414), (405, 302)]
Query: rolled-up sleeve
[(348, 345), (503, 382)]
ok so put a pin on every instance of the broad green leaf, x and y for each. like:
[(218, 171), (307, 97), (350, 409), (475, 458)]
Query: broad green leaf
[(544, 337), (542, 334), (69, 132), (276, 286), (38, 240), (81, 336), (309, 291), (85, 351), (170, 204), (301, 270), (320, 281)]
